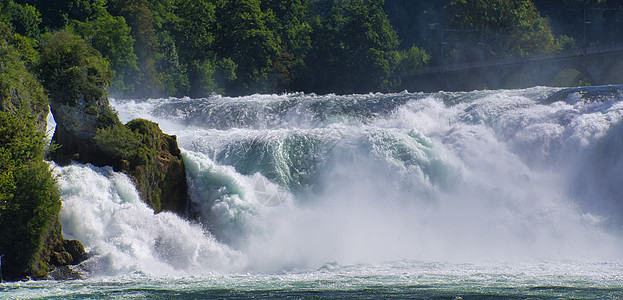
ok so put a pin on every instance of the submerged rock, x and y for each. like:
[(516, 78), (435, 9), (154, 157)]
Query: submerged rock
[(69, 252), (65, 273), (588, 94)]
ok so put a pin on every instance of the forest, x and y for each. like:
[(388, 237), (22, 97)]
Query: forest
[(159, 48)]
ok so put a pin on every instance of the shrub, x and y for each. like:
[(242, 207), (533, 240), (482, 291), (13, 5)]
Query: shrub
[(70, 68), (29, 201)]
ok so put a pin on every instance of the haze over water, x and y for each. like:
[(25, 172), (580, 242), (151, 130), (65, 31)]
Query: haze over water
[(481, 194)]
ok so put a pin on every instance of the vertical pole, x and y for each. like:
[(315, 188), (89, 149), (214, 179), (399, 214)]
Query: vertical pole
[(443, 58), (585, 31), (482, 43), (1, 269)]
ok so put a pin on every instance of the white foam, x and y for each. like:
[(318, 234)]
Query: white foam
[(102, 209), (490, 177)]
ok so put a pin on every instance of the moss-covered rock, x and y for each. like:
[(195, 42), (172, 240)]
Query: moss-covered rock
[(29, 202), (88, 131), (151, 158), (68, 252), (75, 77)]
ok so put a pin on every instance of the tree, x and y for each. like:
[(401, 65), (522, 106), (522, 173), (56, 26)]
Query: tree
[(243, 35), (141, 21), (70, 68), (352, 48), (294, 32), (511, 27), (56, 14), (195, 29), (194, 33), (25, 19), (20, 92), (172, 73), (111, 37), (29, 202)]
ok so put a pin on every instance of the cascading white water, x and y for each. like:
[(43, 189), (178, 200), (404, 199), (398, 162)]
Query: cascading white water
[(102, 209), (299, 181)]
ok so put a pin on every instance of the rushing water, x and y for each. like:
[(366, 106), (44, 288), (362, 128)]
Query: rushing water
[(513, 194)]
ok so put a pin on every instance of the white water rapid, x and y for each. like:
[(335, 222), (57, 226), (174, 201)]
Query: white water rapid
[(287, 182)]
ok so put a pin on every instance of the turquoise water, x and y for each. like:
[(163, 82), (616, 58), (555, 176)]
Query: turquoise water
[(392, 280), (488, 194)]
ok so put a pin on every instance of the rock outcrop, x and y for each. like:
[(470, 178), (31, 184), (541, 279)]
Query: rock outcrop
[(588, 94), (60, 253), (30, 230), (150, 157), (89, 131)]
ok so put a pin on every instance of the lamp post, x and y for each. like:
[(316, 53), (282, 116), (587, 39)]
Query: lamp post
[(482, 44), (443, 58), (585, 23)]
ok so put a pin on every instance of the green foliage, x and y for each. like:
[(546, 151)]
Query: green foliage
[(19, 89), (172, 75), (111, 37), (26, 48), (244, 36), (566, 43), (199, 47), (411, 59), (139, 146), (294, 32), (141, 21), (202, 74), (70, 69), (352, 50), (24, 18), (117, 141), (190, 65), (57, 14), (29, 202), (194, 30), (511, 27), (21, 143)]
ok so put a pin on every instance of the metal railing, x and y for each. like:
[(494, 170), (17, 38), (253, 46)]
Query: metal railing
[(445, 67)]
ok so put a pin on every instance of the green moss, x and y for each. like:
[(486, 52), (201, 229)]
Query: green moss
[(106, 117), (117, 141), (149, 155), (91, 110)]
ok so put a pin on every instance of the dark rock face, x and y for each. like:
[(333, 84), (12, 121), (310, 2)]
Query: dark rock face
[(161, 177), (69, 252), (588, 94), (76, 126), (65, 273), (156, 166), (93, 134), (76, 77)]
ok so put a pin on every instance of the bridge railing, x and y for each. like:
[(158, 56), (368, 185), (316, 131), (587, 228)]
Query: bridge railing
[(515, 60)]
